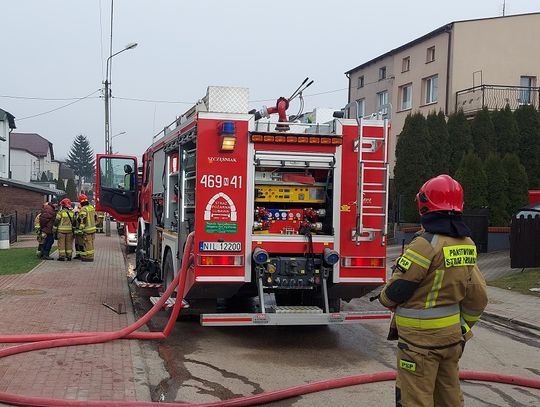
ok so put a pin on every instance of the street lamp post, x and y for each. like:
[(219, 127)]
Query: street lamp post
[(110, 143), (108, 147)]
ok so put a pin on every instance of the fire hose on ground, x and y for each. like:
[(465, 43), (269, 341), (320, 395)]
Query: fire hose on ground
[(46, 341)]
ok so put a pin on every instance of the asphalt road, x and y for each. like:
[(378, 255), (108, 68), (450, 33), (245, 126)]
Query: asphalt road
[(203, 364)]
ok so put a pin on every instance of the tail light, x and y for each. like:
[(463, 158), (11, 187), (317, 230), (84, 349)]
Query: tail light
[(366, 262), (220, 260)]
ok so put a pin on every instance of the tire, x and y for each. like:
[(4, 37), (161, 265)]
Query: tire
[(139, 252), (168, 273)]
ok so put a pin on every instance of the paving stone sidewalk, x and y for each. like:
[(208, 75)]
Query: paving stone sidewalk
[(68, 297)]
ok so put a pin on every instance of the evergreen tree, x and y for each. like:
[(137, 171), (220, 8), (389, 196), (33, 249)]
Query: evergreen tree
[(497, 190), (472, 178), (412, 163), (60, 185), (517, 183), (528, 120), (483, 134), (71, 190), (439, 152), (506, 131), (81, 158), (460, 140)]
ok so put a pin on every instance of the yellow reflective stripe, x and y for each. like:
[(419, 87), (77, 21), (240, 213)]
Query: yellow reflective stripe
[(459, 255), (434, 293), (470, 318), (428, 323), (464, 326), (417, 258)]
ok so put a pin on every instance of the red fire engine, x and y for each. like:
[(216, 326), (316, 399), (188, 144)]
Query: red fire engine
[(290, 214)]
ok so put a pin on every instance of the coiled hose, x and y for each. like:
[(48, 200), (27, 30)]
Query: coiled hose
[(46, 341)]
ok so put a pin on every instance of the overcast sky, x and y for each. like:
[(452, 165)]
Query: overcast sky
[(57, 49)]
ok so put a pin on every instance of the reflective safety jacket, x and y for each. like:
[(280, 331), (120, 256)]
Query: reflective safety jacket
[(87, 219), (64, 222), (438, 291), (37, 228)]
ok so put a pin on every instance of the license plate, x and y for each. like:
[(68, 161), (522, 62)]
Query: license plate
[(220, 246)]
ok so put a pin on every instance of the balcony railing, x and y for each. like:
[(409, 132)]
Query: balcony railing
[(496, 97)]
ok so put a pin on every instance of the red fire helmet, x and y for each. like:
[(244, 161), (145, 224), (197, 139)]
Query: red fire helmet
[(441, 193), (83, 198), (66, 202)]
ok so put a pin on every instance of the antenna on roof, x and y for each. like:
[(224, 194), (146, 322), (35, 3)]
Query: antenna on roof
[(504, 8)]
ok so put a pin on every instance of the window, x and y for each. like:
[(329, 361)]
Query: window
[(406, 64), (361, 107), (3, 164), (360, 81), (405, 93), (430, 54), (525, 94), (382, 101), (117, 173), (430, 89), (382, 73)]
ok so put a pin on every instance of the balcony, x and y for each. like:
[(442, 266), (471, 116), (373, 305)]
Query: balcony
[(495, 97)]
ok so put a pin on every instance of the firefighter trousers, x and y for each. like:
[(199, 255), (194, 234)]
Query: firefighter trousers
[(87, 253), (65, 245), (79, 240), (428, 377)]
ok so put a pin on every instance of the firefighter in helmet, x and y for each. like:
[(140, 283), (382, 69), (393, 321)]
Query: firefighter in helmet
[(87, 225), (40, 236), (78, 233), (63, 228), (437, 293)]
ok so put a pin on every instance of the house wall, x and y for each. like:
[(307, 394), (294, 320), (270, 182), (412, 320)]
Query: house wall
[(21, 200), (503, 49), (24, 166), (396, 78)]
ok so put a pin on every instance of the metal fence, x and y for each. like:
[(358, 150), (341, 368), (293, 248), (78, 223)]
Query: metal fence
[(12, 220), (525, 242), (496, 97), (26, 223)]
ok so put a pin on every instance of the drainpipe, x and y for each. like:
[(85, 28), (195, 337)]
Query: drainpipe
[(449, 51), (349, 90)]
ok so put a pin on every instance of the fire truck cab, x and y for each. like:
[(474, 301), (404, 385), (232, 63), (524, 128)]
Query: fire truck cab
[(292, 214)]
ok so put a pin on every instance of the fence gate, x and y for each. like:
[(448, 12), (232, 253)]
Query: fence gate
[(478, 222), (525, 242)]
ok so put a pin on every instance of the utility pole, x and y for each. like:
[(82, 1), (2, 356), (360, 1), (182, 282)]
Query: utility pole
[(108, 146)]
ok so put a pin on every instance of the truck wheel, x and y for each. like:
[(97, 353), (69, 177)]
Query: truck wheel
[(139, 252), (168, 273)]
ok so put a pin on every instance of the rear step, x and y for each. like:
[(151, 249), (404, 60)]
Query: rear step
[(291, 318), (169, 303), (144, 284)]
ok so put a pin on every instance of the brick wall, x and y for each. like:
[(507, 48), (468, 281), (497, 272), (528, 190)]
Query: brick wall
[(23, 201)]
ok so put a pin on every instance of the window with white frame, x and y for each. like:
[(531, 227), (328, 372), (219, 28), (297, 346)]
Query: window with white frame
[(382, 73), (525, 94), (3, 162), (430, 54), (382, 100), (431, 86), (361, 107), (360, 81), (405, 92)]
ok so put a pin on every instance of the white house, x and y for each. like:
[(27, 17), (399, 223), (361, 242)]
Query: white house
[(7, 123), (31, 156)]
